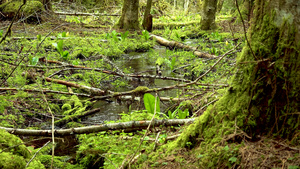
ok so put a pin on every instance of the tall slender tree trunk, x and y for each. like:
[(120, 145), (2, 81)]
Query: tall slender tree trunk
[(130, 15), (186, 6), (208, 14), (146, 14), (220, 5)]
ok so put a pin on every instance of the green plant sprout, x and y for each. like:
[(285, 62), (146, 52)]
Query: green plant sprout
[(146, 35), (124, 35), (59, 48), (178, 113), (1, 33)]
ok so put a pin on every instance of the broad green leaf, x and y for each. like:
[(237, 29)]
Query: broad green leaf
[(149, 102), (34, 60), (65, 55), (226, 148), (173, 63), (183, 114), (54, 45), (39, 37), (232, 159), (60, 46), (63, 34)]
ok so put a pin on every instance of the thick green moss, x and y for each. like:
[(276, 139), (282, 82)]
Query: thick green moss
[(29, 8), (58, 162), (7, 141), (14, 154)]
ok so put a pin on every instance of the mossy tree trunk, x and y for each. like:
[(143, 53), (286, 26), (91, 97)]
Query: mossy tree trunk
[(274, 76), (129, 17), (208, 14), (264, 95)]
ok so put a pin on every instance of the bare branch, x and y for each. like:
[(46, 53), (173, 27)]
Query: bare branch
[(98, 128)]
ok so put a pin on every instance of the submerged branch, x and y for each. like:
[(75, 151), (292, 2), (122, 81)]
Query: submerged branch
[(99, 128)]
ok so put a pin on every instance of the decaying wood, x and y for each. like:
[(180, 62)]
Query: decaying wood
[(174, 44), (99, 128)]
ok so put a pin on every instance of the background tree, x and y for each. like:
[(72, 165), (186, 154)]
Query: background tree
[(129, 17), (147, 22), (208, 14), (220, 5), (264, 96)]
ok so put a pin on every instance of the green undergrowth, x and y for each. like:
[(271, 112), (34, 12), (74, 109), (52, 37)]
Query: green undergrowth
[(72, 109), (109, 149)]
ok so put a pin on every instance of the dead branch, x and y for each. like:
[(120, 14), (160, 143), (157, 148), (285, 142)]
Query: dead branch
[(94, 91), (174, 44), (98, 128)]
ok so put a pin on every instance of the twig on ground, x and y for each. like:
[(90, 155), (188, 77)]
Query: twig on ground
[(36, 154), (156, 141)]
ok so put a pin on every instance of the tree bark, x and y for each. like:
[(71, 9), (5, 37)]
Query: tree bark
[(275, 77), (129, 17), (208, 14)]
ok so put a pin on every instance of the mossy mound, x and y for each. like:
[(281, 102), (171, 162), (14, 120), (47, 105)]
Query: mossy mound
[(14, 154), (9, 9)]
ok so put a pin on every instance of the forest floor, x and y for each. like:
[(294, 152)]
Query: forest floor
[(84, 43)]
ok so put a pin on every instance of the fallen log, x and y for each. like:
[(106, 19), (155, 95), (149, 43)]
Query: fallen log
[(85, 14), (178, 45), (99, 128)]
